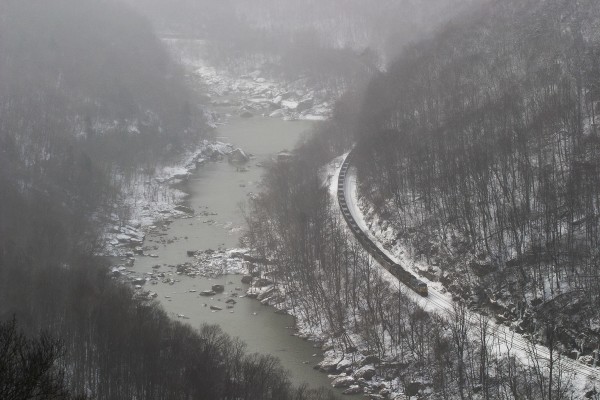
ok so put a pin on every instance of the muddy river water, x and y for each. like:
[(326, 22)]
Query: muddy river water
[(216, 191)]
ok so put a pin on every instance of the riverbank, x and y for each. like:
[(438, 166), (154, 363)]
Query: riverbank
[(183, 249), (196, 253), (251, 89), (146, 200), (159, 198)]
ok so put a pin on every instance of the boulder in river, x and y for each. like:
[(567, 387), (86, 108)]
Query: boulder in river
[(304, 105), (246, 114), (139, 281), (277, 114), (215, 308), (207, 293), (284, 156), (247, 279), (184, 209), (218, 288), (238, 156)]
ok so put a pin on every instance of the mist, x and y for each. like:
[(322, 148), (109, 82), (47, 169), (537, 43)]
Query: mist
[(299, 199)]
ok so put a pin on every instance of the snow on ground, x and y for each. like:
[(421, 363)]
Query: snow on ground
[(206, 264), (256, 92), (145, 200), (506, 341)]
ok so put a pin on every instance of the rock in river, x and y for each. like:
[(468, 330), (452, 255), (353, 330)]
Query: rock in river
[(304, 105), (218, 288), (277, 114), (238, 156), (184, 209)]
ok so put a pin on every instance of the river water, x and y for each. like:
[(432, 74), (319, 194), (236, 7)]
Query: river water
[(216, 191)]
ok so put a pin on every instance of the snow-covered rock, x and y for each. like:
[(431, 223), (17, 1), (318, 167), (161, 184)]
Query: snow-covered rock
[(367, 373), (277, 114), (304, 105), (353, 389), (327, 365), (265, 292), (238, 156), (344, 364), (290, 105), (342, 382), (277, 100)]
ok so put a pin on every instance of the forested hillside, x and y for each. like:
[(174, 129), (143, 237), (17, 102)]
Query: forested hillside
[(371, 325), (481, 147), (88, 94), (337, 43), (94, 72)]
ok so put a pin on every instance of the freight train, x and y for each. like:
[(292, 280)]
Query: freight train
[(395, 269)]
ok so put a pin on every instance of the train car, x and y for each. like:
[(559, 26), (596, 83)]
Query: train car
[(419, 286), (395, 269)]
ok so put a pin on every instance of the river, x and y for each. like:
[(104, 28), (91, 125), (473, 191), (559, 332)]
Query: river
[(216, 191)]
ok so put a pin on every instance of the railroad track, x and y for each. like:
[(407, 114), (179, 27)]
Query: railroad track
[(434, 300), (404, 276)]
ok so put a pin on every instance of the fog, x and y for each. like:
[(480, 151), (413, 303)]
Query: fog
[(299, 199), (385, 26)]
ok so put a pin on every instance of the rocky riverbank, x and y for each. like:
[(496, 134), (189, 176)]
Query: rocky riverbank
[(252, 90), (146, 200), (160, 202)]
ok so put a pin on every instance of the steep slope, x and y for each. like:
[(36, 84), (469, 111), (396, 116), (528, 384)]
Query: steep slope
[(480, 147), (87, 93)]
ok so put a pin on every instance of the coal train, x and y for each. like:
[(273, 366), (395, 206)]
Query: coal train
[(403, 275)]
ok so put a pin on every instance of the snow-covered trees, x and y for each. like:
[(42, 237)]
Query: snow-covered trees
[(87, 92), (483, 141)]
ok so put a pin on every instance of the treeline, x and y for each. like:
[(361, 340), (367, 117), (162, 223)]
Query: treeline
[(106, 345), (335, 43), (238, 42), (88, 98), (384, 27), (90, 78), (336, 290), (482, 146), (87, 92), (28, 369)]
